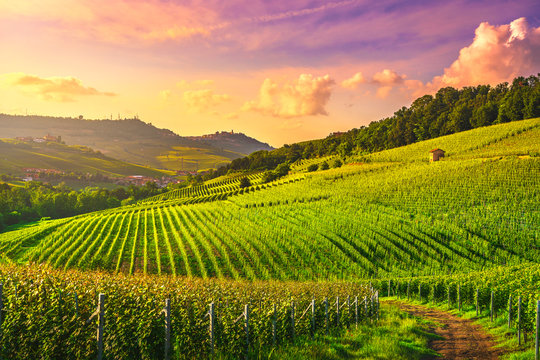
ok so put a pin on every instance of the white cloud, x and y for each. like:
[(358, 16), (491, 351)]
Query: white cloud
[(305, 96), (201, 100)]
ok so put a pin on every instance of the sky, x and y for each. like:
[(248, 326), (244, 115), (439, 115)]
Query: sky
[(279, 71)]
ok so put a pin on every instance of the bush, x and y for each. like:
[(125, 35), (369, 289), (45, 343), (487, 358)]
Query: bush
[(337, 163), (244, 183), (324, 166), (312, 167)]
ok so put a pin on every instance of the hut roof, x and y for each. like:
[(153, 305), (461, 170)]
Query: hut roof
[(436, 150)]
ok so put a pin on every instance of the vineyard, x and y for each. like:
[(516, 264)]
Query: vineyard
[(467, 143), (372, 219), (499, 292), (45, 314)]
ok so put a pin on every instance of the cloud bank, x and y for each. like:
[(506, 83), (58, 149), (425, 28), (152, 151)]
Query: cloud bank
[(497, 54), (305, 96), (61, 89)]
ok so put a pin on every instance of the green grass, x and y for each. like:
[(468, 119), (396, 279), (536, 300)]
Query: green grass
[(396, 335)]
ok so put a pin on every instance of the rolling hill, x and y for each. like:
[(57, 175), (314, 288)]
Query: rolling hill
[(392, 214), (16, 155), (135, 141)]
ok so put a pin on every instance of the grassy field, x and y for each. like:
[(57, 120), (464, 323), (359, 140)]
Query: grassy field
[(16, 155), (193, 159), (360, 220)]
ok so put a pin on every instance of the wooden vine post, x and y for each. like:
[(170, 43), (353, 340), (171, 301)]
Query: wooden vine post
[(100, 314), (211, 328), (101, 324), (326, 314), (366, 312), (389, 286), (459, 297), (167, 312), (420, 292), (356, 311), (337, 311), (274, 321), (312, 318), (348, 312), (408, 288)]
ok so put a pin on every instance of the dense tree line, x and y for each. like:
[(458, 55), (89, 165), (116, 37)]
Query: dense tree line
[(37, 200), (448, 112)]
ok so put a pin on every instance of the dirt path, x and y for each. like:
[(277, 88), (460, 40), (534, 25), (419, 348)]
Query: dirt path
[(462, 339)]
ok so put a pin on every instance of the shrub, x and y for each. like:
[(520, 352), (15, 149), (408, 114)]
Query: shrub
[(244, 183), (312, 167)]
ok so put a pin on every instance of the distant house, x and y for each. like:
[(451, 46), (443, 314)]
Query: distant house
[(436, 154), (49, 137), (24, 138)]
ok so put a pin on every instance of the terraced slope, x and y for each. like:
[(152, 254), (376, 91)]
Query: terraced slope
[(468, 212)]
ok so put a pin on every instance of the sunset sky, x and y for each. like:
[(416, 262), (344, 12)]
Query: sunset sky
[(280, 71)]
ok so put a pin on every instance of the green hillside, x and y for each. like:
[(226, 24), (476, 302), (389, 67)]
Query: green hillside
[(16, 155), (135, 141), (387, 216)]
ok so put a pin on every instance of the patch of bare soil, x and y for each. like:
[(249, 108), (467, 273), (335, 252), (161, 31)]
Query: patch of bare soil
[(461, 338)]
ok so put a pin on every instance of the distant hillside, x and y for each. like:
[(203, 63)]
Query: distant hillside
[(16, 156), (237, 142), (132, 140)]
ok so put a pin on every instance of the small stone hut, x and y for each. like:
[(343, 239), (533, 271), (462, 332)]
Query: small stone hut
[(436, 154)]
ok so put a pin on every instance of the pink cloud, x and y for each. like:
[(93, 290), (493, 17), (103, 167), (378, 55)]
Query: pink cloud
[(305, 96), (353, 82), (387, 77), (118, 20), (497, 54)]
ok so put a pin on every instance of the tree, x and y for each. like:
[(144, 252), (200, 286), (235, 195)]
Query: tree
[(337, 163), (325, 166), (244, 183), (282, 169), (312, 167)]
